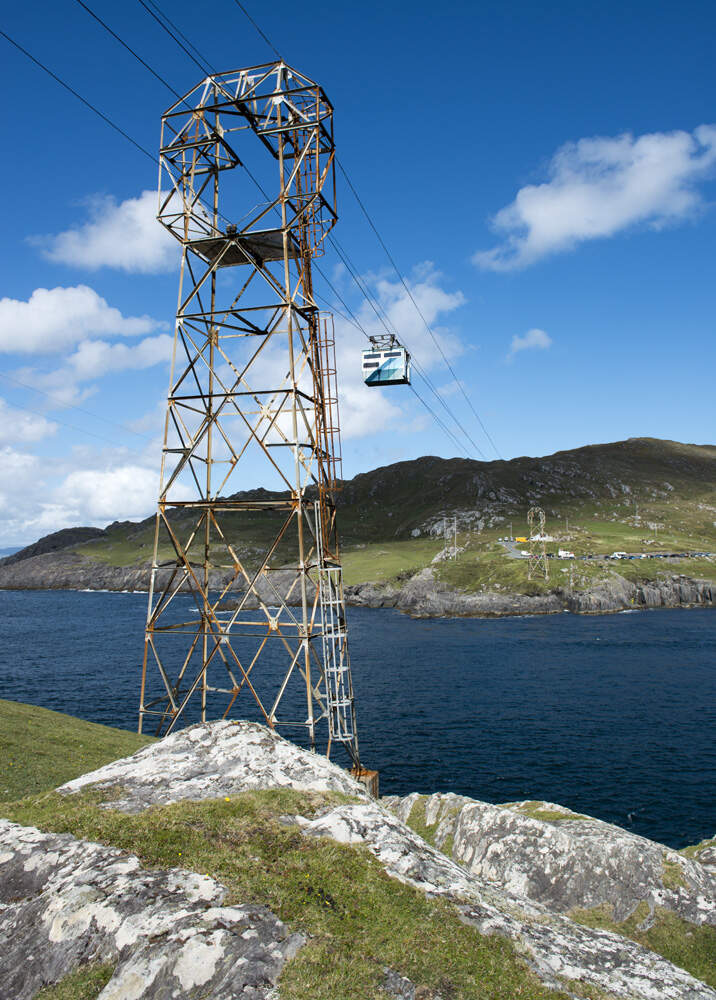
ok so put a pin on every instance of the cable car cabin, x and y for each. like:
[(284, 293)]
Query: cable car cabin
[(386, 365)]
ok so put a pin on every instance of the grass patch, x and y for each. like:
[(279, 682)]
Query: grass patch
[(672, 877), (686, 945), (385, 561), (536, 810), (40, 749), (694, 850), (358, 920), (85, 983)]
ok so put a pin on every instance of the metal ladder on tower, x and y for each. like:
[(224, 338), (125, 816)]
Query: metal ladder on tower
[(336, 663)]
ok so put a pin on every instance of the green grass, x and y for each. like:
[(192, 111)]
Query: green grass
[(40, 749), (672, 875), (535, 810), (357, 919), (690, 947), (694, 850), (85, 983), (387, 561)]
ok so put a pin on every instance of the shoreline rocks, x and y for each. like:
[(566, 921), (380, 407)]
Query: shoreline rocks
[(420, 596)]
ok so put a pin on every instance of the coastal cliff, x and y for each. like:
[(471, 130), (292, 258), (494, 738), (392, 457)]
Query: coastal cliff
[(224, 861), (423, 594)]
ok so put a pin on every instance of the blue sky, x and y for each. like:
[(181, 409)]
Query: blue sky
[(542, 174)]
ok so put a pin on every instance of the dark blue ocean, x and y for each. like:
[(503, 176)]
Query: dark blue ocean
[(611, 715)]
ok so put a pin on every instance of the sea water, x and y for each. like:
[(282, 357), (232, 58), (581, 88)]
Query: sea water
[(610, 715)]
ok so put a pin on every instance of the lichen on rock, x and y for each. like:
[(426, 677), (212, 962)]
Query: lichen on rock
[(66, 902)]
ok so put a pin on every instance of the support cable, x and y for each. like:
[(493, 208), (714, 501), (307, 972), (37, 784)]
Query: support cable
[(171, 23), (205, 70), (417, 307), (79, 97), (73, 406), (128, 48), (392, 262), (265, 37)]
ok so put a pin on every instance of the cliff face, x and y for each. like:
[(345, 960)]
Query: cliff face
[(425, 596)]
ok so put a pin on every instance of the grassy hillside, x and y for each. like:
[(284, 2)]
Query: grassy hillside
[(637, 495), (40, 749)]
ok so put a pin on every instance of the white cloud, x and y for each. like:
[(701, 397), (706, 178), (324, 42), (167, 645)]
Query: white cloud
[(120, 493), (533, 340), (600, 186), (94, 358), (124, 235), (19, 426), (54, 318)]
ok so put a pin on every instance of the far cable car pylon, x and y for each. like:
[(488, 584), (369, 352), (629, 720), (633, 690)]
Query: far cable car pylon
[(386, 362), (252, 398)]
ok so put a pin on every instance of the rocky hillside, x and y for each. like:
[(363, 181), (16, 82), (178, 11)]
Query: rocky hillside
[(636, 495), (223, 861)]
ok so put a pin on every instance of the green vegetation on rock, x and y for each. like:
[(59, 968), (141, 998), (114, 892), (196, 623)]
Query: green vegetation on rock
[(690, 947), (537, 810), (673, 876), (85, 983), (358, 920), (40, 749)]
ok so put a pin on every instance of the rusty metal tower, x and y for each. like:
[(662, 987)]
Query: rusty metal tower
[(537, 565), (252, 398)]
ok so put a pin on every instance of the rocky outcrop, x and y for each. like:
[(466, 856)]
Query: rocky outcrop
[(161, 926), (209, 761), (559, 950), (565, 861), (423, 595), (66, 902), (619, 594)]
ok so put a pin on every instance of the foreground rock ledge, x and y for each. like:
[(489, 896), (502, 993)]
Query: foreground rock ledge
[(562, 859), (68, 902), (216, 759)]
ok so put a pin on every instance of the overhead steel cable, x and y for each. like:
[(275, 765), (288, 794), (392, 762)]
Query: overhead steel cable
[(392, 261), (205, 70), (178, 31), (415, 304), (73, 406), (128, 48), (73, 427), (437, 418), (155, 160), (79, 97), (258, 29)]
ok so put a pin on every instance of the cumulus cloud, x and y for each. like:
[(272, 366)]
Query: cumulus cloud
[(17, 426), (533, 340), (54, 318), (94, 358), (124, 235), (600, 186), (123, 492), (364, 410)]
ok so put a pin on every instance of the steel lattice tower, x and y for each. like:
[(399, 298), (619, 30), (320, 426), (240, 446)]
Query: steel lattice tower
[(537, 565), (252, 392)]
